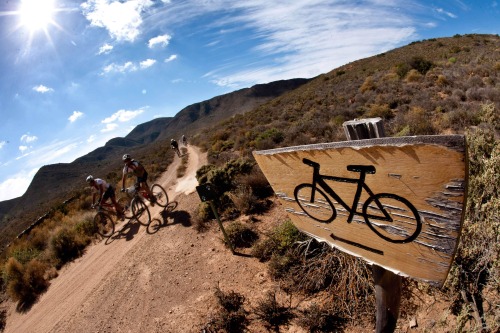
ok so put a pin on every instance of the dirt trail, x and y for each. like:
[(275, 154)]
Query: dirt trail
[(155, 279)]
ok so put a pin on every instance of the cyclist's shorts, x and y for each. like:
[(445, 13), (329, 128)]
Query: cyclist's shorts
[(143, 179), (110, 193)]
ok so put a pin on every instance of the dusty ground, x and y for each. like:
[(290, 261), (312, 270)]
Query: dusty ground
[(155, 279), (162, 278)]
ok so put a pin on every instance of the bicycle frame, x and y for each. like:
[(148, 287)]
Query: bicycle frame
[(319, 179), (106, 207)]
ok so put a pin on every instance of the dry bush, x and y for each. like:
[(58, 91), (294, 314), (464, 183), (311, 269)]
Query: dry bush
[(257, 182), (231, 317), (85, 225), (3, 319), (369, 84), (25, 282), (241, 235), (420, 122), (243, 199), (413, 76), (272, 313), (65, 245), (316, 319)]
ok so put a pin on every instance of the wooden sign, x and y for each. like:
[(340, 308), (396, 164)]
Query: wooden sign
[(396, 202)]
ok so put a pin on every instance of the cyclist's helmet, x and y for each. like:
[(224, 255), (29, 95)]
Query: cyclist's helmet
[(90, 179), (126, 157)]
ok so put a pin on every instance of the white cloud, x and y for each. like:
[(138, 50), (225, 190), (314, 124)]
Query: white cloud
[(162, 41), (26, 138), (76, 115), (91, 138), (2, 144), (23, 148), (144, 92), (115, 68), (171, 58), (105, 49), (442, 11), (147, 63), (122, 116), (16, 185), (309, 38), (122, 19), (109, 127), (42, 89), (127, 67)]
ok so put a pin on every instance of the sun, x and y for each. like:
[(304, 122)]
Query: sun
[(36, 15)]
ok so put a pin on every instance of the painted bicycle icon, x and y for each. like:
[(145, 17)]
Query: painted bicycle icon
[(391, 217)]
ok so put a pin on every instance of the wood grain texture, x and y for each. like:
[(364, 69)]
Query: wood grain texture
[(421, 181)]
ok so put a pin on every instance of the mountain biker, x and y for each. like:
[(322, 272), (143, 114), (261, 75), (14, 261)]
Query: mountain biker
[(105, 191), (184, 140), (175, 146), (138, 170)]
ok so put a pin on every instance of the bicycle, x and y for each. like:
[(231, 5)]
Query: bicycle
[(392, 217), (103, 222), (138, 196)]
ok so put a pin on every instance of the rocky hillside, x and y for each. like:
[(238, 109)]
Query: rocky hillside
[(55, 183)]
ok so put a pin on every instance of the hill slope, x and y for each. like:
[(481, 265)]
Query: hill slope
[(55, 183)]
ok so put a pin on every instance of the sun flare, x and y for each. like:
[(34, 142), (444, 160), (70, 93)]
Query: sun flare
[(36, 14)]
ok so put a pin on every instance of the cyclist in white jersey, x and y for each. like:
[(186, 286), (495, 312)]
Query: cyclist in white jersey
[(104, 191)]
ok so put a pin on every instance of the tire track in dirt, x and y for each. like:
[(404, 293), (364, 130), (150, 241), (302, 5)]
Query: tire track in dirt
[(89, 277)]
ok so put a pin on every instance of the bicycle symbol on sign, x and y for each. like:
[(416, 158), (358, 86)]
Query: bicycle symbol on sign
[(391, 217)]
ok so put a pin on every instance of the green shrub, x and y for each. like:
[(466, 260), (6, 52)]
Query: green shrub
[(473, 278), (24, 255), (421, 65), (204, 212), (280, 240)]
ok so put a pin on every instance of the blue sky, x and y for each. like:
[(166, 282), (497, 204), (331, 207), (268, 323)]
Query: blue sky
[(75, 74)]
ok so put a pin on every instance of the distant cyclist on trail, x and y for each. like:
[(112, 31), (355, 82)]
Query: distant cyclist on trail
[(184, 140), (105, 191), (175, 146), (138, 170)]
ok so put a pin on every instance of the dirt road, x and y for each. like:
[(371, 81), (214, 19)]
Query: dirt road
[(156, 279)]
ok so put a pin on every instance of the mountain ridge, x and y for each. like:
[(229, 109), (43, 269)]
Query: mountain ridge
[(54, 183)]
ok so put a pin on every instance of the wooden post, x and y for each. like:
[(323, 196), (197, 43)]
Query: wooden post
[(208, 194), (388, 285), (228, 241)]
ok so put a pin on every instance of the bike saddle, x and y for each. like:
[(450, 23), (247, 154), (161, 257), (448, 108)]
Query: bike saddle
[(361, 168)]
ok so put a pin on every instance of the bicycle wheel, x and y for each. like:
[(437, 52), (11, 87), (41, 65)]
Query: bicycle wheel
[(140, 211), (320, 209), (125, 203), (392, 218), (104, 224), (160, 194)]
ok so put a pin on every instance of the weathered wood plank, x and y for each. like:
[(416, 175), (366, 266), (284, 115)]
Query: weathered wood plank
[(420, 181)]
